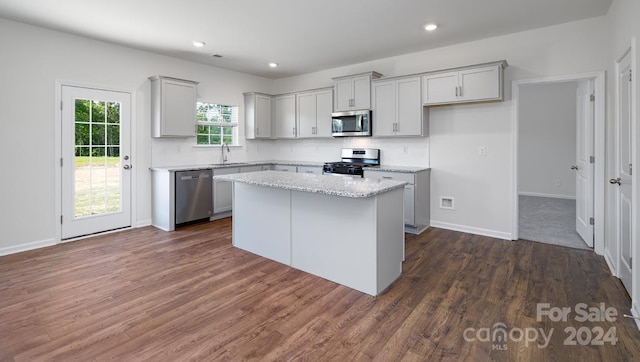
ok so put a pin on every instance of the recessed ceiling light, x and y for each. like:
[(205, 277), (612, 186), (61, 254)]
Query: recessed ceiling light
[(430, 27), (273, 65), (198, 44)]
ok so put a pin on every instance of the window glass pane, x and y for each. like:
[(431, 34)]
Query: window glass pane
[(215, 140), (98, 152), (82, 134), (216, 113), (97, 111), (82, 151), (82, 110), (227, 131), (203, 139), (113, 134), (97, 134), (114, 152), (113, 112)]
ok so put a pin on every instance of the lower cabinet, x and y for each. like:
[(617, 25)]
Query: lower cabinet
[(416, 196), (223, 190), (285, 168), (310, 169)]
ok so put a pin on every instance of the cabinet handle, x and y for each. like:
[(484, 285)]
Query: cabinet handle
[(456, 91), (257, 131), (460, 91), (387, 177)]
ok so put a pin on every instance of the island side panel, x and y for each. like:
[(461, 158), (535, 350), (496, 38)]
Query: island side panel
[(334, 238), (262, 221), (390, 237)]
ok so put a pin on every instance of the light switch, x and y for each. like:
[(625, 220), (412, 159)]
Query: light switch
[(482, 151)]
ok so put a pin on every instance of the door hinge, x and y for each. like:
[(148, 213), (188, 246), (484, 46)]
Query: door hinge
[(592, 159), (630, 169), (630, 262), (592, 98), (61, 162), (61, 219), (61, 105), (592, 221), (629, 75)]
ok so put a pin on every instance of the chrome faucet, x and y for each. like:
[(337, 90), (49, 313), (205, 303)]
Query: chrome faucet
[(224, 157)]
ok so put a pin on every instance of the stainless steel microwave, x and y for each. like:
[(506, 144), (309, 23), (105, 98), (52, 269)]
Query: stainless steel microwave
[(352, 123)]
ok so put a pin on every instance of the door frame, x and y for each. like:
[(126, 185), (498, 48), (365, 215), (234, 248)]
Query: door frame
[(599, 148), (59, 83)]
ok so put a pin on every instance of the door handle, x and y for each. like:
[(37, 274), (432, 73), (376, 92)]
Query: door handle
[(614, 181), (127, 167), (574, 167)]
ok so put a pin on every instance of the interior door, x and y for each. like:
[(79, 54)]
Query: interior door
[(583, 167), (96, 176), (624, 169)]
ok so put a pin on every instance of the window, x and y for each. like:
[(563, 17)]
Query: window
[(217, 124)]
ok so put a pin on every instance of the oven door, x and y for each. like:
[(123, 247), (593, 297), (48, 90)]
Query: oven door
[(354, 123)]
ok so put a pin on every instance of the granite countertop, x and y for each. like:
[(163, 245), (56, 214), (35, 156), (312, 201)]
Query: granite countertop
[(324, 184), (388, 168)]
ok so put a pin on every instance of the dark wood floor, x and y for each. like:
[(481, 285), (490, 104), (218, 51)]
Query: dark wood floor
[(146, 294)]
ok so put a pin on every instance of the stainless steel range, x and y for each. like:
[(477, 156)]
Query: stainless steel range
[(353, 162)]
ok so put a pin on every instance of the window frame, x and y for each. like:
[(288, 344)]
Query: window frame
[(233, 125)]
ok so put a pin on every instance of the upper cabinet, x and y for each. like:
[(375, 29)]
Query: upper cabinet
[(173, 107), (397, 108), (478, 83), (353, 92), (257, 115), (285, 121), (314, 113)]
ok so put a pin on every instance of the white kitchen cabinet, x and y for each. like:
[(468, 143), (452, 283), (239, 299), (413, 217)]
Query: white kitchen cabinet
[(285, 120), (397, 108), (285, 168), (223, 190), (416, 196), (314, 113), (173, 107), (353, 92), (479, 83), (257, 115), (255, 168), (316, 170)]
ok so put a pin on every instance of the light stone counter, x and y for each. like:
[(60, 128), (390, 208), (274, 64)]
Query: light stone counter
[(330, 185)]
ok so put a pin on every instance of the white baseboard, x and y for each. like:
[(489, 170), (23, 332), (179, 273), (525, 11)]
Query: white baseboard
[(471, 230), (634, 312), (553, 196), (610, 263), (143, 223), (26, 247)]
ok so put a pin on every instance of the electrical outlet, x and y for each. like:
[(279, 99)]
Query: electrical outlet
[(405, 150), (482, 151), (446, 202), (558, 183)]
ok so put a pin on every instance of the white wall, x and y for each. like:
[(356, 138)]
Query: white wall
[(547, 140), (32, 59), (481, 186), (623, 24)]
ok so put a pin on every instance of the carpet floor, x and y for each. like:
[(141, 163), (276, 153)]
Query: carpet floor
[(549, 220)]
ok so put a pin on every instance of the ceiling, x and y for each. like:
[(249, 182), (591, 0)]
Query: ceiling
[(302, 36)]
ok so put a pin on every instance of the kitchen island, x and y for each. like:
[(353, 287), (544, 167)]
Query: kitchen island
[(350, 231)]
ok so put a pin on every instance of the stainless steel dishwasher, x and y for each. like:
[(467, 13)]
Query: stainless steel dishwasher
[(193, 195)]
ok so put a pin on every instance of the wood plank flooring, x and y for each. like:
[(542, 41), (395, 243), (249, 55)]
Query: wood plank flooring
[(149, 295)]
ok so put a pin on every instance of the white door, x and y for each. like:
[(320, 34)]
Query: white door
[(583, 167), (96, 176), (622, 178)]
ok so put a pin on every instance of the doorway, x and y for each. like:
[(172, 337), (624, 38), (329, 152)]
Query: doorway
[(95, 162), (560, 184)]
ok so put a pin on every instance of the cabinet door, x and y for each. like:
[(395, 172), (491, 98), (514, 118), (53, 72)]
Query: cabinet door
[(286, 116), (384, 108), (306, 114), (250, 169), (263, 116), (310, 169), (344, 95), (178, 108), (223, 190), (439, 88), (480, 83), (408, 107), (362, 93), (324, 107), (284, 168), (409, 205)]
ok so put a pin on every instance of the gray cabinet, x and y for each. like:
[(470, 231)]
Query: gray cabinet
[(257, 115), (316, 170), (223, 190), (313, 113), (173, 107), (479, 83), (353, 92), (416, 196), (285, 116), (285, 168), (397, 108)]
